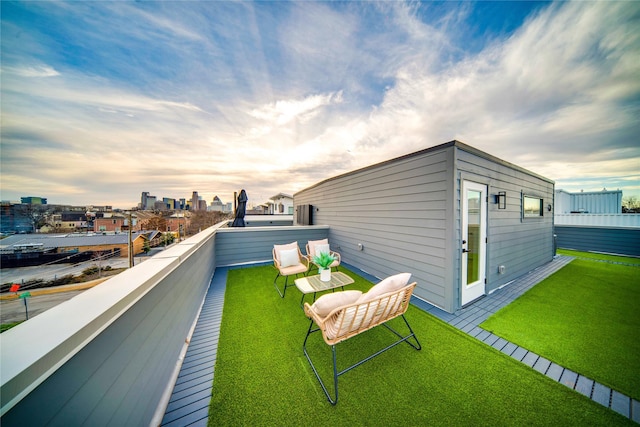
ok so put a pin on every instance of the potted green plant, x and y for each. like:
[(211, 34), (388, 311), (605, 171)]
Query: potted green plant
[(323, 260)]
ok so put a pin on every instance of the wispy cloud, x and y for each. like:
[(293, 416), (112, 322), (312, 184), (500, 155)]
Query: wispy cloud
[(284, 111), (111, 99), (558, 88), (37, 71)]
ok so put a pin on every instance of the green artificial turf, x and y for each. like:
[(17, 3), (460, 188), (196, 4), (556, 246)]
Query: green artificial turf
[(7, 326), (262, 377), (585, 317), (602, 257)]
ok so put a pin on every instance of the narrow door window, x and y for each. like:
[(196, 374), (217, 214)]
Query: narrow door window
[(473, 245)]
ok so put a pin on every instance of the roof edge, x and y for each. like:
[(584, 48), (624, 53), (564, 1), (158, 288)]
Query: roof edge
[(493, 158), (452, 143)]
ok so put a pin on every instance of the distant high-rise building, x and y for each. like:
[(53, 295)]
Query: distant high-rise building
[(151, 202), (170, 203), (195, 201), (147, 201), (217, 205), (143, 200)]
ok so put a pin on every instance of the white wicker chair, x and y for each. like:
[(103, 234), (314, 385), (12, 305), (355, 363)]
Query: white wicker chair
[(312, 246), (289, 261)]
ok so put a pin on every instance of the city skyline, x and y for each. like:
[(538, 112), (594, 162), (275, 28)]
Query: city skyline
[(103, 98), (144, 195)]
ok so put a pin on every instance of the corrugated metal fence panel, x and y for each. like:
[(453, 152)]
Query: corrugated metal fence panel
[(597, 202), (623, 241)]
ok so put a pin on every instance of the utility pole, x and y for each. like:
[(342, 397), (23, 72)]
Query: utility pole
[(130, 244)]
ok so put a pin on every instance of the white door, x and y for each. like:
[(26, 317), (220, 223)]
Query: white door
[(474, 241)]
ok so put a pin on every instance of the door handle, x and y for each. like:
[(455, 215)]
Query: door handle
[(464, 250)]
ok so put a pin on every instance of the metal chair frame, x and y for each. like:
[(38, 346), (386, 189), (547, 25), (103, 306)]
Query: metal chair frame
[(337, 373), (286, 285), (303, 260)]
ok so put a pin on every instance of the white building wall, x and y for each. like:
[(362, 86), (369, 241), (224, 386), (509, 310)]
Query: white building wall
[(562, 202), (285, 201), (593, 202)]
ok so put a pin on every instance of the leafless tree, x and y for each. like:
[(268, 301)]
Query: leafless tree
[(98, 257), (156, 223), (204, 219), (630, 204), (35, 214)]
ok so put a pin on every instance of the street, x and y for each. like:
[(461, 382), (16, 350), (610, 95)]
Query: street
[(14, 310), (50, 272)]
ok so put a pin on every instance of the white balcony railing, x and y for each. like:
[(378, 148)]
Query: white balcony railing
[(598, 220)]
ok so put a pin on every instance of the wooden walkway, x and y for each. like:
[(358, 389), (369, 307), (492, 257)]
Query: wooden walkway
[(189, 402)]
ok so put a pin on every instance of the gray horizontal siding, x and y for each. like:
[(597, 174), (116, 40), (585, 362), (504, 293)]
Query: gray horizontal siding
[(397, 211), (623, 241), (516, 243), (406, 214)]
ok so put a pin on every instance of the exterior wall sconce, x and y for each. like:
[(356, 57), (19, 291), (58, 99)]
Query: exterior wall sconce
[(501, 199)]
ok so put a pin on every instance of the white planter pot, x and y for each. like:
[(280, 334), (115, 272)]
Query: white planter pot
[(325, 274)]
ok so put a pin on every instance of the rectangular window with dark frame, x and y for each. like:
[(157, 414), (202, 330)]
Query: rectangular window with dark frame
[(531, 206)]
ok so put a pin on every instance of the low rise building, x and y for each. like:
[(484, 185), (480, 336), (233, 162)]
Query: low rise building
[(281, 204)]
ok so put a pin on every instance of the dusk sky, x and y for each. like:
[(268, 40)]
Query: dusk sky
[(104, 100)]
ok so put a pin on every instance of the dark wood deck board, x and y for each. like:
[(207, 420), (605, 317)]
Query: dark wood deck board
[(189, 401)]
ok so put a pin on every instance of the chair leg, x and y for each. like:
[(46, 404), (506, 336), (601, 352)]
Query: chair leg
[(412, 334), (336, 374), (331, 400), (286, 284), (405, 338), (275, 284)]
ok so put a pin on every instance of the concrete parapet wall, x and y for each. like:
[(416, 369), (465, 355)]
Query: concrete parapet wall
[(107, 355)]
